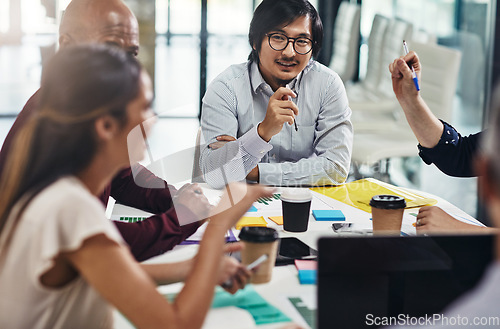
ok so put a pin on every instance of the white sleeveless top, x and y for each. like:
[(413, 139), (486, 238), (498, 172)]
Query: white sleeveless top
[(59, 218)]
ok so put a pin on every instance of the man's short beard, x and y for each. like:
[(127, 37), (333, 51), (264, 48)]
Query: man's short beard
[(283, 83)]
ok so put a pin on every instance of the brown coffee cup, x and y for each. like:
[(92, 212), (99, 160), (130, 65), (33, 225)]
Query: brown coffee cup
[(259, 241), (387, 214)]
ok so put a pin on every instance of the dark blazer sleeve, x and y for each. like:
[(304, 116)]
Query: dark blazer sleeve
[(26, 113), (454, 154), (145, 191), (157, 234)]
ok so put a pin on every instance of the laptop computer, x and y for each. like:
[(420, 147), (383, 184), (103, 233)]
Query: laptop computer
[(365, 280)]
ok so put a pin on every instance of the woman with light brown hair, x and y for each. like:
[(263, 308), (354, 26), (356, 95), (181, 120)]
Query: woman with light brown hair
[(62, 263)]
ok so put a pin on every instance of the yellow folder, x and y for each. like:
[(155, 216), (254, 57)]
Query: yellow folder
[(359, 193)]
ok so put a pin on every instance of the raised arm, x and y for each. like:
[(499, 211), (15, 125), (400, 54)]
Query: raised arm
[(424, 124), (439, 142), (112, 271)]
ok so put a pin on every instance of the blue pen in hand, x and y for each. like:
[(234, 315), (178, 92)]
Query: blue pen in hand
[(413, 74)]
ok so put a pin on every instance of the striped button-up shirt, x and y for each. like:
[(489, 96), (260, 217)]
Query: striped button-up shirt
[(319, 153)]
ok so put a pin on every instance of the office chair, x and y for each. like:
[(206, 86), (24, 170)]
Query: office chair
[(197, 176), (372, 107), (359, 90), (344, 59)]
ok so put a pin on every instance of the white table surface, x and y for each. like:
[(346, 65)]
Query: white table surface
[(284, 282)]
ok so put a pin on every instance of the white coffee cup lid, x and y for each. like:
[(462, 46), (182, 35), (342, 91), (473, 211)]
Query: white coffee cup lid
[(296, 194)]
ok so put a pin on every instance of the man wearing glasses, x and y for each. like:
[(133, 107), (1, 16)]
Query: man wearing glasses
[(282, 118)]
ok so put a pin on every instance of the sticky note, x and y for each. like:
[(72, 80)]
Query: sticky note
[(250, 221), (307, 270), (302, 264), (277, 219), (249, 300), (325, 215), (252, 209), (307, 276)]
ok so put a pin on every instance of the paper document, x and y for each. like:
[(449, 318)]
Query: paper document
[(359, 193)]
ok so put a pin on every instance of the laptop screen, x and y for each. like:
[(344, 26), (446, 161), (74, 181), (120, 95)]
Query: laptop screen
[(365, 281)]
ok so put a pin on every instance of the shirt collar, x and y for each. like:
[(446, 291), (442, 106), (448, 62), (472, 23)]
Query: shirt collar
[(256, 79)]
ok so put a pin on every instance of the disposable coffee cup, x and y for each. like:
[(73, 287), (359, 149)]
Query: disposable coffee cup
[(259, 241), (296, 206), (387, 214)]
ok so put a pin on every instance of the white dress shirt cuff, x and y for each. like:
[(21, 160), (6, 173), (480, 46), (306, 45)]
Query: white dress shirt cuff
[(252, 143)]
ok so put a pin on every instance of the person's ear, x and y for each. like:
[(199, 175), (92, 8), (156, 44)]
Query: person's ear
[(106, 128), (487, 187), (65, 40)]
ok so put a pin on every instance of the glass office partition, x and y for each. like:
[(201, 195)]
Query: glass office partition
[(228, 23)]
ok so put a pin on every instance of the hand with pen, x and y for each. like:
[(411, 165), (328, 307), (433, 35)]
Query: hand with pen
[(424, 124), (281, 109), (402, 76), (232, 274)]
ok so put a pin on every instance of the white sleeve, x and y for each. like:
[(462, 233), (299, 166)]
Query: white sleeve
[(67, 222)]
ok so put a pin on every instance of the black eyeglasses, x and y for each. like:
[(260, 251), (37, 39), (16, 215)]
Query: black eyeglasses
[(279, 41)]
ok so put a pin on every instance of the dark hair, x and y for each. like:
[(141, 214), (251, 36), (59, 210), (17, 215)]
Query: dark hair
[(79, 85), (271, 14)]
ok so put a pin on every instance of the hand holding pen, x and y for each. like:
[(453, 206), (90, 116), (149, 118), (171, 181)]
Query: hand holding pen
[(402, 77), (413, 74), (280, 110)]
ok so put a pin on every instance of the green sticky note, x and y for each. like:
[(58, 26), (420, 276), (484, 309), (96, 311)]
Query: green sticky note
[(249, 300)]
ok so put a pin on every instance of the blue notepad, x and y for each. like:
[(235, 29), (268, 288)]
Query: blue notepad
[(328, 215)]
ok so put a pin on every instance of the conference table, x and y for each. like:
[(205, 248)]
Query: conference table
[(284, 286)]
